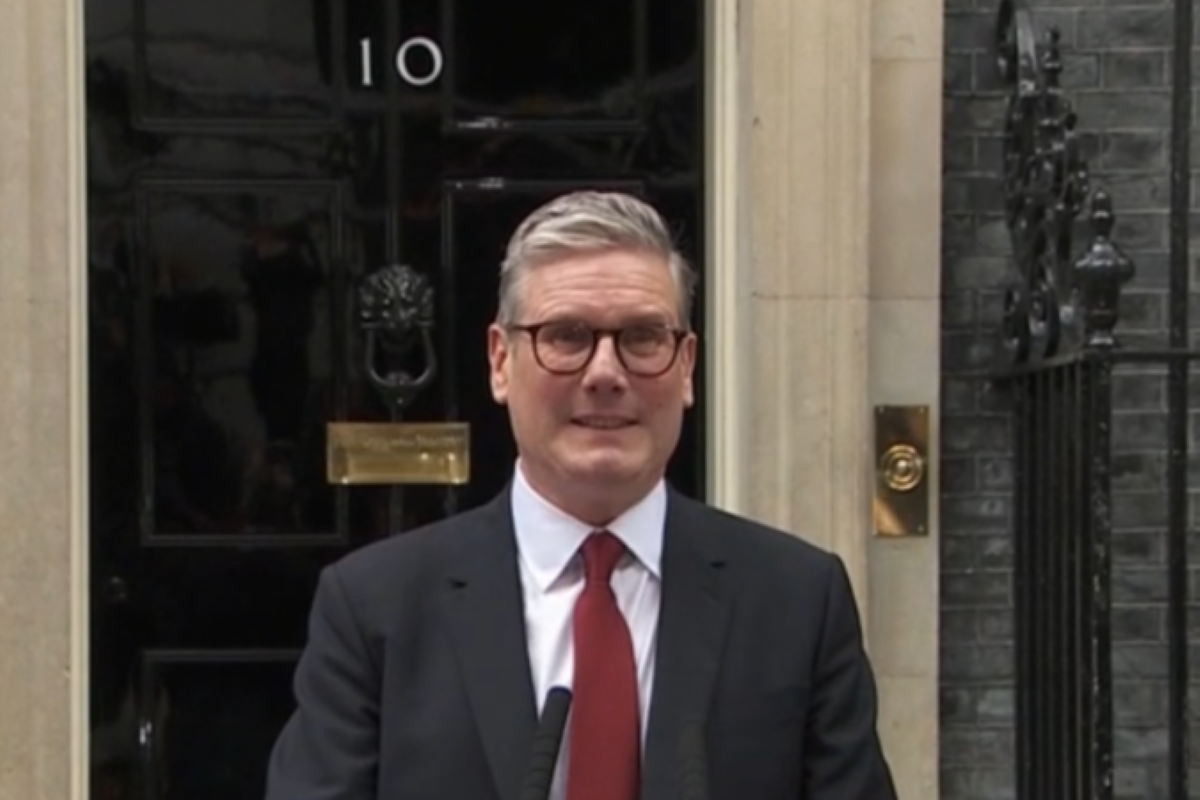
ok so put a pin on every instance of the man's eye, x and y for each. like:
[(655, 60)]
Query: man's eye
[(568, 334), (643, 335)]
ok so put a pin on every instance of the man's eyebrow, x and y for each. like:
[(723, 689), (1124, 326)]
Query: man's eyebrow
[(635, 318), (648, 317)]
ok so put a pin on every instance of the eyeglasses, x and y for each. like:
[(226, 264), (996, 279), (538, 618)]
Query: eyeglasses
[(565, 348)]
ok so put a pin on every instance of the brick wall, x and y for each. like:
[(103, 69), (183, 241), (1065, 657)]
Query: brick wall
[(1116, 56)]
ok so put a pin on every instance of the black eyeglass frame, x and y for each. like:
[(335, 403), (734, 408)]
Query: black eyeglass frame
[(534, 329)]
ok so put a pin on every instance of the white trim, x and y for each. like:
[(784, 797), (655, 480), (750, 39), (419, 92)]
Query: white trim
[(722, 325), (77, 354)]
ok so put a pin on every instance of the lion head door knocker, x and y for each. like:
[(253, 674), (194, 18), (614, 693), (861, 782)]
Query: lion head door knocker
[(395, 315), (394, 311)]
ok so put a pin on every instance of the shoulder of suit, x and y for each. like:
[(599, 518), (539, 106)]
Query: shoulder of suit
[(741, 536)]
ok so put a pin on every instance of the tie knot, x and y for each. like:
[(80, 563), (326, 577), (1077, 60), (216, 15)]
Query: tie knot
[(601, 551)]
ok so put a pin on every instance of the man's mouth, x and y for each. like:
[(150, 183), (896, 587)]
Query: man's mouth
[(602, 422)]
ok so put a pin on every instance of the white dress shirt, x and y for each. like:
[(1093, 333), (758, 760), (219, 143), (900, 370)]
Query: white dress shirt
[(548, 543)]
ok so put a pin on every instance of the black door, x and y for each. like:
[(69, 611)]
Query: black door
[(250, 161)]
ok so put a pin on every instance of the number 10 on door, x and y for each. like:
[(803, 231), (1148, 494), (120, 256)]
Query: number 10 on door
[(409, 51)]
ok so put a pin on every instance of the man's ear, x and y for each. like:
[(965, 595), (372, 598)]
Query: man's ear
[(498, 362), (687, 357)]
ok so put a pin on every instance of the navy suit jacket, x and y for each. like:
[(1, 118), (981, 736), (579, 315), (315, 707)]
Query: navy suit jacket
[(415, 682)]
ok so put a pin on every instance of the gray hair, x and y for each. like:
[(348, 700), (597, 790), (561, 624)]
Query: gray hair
[(590, 221)]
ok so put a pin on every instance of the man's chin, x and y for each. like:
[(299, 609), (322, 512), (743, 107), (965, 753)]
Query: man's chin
[(604, 467)]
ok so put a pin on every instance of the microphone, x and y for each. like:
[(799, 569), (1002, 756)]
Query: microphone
[(693, 763), (543, 756)]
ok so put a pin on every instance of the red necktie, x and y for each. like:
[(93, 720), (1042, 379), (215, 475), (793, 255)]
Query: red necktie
[(605, 743)]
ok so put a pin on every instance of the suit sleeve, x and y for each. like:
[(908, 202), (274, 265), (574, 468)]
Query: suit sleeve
[(843, 756), (329, 748)]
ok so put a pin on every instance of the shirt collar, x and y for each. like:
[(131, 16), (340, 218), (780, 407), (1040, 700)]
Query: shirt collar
[(548, 538)]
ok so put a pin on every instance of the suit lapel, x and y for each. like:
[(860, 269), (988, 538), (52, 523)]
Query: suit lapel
[(690, 633), (487, 624)]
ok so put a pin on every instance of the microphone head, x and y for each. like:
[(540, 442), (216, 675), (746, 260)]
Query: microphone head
[(539, 775), (554, 710)]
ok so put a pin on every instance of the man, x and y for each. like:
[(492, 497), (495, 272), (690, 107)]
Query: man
[(430, 654)]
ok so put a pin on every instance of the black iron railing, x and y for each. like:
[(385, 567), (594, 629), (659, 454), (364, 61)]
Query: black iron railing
[(1061, 352)]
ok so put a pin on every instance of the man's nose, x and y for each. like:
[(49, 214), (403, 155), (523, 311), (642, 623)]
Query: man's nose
[(605, 370)]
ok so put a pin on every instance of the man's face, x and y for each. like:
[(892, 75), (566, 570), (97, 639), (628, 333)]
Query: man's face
[(600, 437)]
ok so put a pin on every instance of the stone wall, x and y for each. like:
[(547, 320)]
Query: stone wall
[(837, 287), (40, 411)]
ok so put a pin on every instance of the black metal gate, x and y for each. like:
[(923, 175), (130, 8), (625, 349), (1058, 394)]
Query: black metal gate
[(1082, 615)]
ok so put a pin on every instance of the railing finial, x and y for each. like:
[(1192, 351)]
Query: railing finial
[(1099, 273)]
